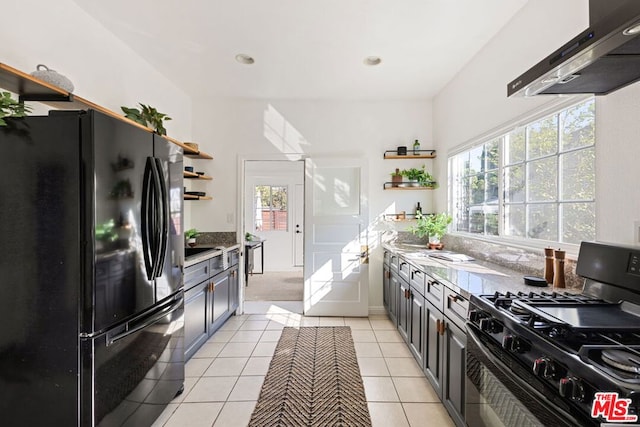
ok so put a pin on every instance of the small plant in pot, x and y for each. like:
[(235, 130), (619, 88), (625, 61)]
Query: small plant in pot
[(433, 225), (191, 235), (419, 177), (147, 116)]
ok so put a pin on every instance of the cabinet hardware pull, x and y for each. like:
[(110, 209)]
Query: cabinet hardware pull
[(438, 326), (388, 274), (453, 298)]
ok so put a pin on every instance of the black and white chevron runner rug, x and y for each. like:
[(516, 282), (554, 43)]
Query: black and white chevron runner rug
[(313, 380)]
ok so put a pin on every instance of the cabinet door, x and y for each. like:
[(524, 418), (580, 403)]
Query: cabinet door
[(433, 346), (403, 309), (416, 329), (234, 290), (220, 296), (394, 285), (455, 342), (195, 318), (386, 278)]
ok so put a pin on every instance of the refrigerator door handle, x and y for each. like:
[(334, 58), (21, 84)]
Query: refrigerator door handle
[(147, 221), (163, 206), (135, 326)]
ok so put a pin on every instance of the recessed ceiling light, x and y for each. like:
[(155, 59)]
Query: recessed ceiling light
[(632, 30), (372, 60), (244, 59)]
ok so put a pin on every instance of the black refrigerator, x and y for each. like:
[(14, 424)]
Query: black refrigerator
[(91, 262)]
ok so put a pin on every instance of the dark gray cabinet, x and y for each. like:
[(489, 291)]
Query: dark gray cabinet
[(433, 346), (211, 297), (453, 390), (430, 317)]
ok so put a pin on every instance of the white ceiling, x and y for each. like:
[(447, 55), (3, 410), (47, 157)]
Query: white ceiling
[(311, 49)]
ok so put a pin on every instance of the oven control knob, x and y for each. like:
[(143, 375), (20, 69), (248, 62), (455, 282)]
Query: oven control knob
[(543, 366), (518, 345), (507, 341), (572, 388), (485, 325), (474, 316)]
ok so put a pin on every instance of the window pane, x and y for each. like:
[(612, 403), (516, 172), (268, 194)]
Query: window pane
[(543, 138), (514, 147), (514, 220), (542, 180), (477, 189), (578, 222), (578, 175), (476, 160), (514, 184), (491, 220), (543, 222), (271, 208), (492, 188), (578, 126), (492, 156)]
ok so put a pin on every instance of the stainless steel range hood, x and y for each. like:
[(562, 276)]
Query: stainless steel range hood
[(603, 58)]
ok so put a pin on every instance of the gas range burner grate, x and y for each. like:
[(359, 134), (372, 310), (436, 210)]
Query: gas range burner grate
[(622, 359)]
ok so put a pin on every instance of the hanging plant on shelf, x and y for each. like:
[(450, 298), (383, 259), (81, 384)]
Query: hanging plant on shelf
[(147, 116), (9, 107)]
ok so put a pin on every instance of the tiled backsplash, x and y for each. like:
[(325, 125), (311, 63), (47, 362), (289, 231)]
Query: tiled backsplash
[(222, 238)]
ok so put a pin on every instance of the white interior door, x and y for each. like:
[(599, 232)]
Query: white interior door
[(335, 248)]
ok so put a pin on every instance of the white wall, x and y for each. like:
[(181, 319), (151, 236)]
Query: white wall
[(255, 128), (103, 69)]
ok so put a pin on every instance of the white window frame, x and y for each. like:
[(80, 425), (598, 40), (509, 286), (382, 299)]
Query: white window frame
[(554, 107)]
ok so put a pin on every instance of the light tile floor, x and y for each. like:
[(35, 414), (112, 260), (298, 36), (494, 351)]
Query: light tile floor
[(225, 376)]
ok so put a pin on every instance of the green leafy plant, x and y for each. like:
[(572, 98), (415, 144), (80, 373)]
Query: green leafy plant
[(191, 233), (432, 225), (9, 107), (423, 177), (147, 116)]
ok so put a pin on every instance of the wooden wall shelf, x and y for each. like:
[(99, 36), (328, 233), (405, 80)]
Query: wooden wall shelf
[(30, 88), (193, 175), (405, 187), (423, 154), (192, 197)]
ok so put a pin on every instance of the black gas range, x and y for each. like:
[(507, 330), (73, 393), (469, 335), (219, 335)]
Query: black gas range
[(558, 358)]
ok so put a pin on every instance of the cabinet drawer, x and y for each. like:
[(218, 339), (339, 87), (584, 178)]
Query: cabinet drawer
[(434, 292), (393, 262), (417, 280), (455, 308), (234, 256), (404, 269), (216, 265), (195, 274)]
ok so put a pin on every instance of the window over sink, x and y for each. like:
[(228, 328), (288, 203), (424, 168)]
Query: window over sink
[(533, 182)]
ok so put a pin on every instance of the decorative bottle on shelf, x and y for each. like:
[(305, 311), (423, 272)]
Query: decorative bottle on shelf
[(416, 148), (418, 209), (558, 276), (548, 265)]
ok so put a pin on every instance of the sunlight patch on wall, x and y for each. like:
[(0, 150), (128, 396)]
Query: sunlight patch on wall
[(282, 135)]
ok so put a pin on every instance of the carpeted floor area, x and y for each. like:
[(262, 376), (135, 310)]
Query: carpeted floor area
[(275, 286), (313, 380)]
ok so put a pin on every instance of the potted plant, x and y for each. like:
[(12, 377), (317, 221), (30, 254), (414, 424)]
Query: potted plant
[(9, 107), (147, 116), (412, 176), (433, 225), (419, 177), (396, 178), (191, 235)]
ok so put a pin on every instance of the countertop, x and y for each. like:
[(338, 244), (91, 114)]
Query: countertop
[(468, 277), (215, 250)]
